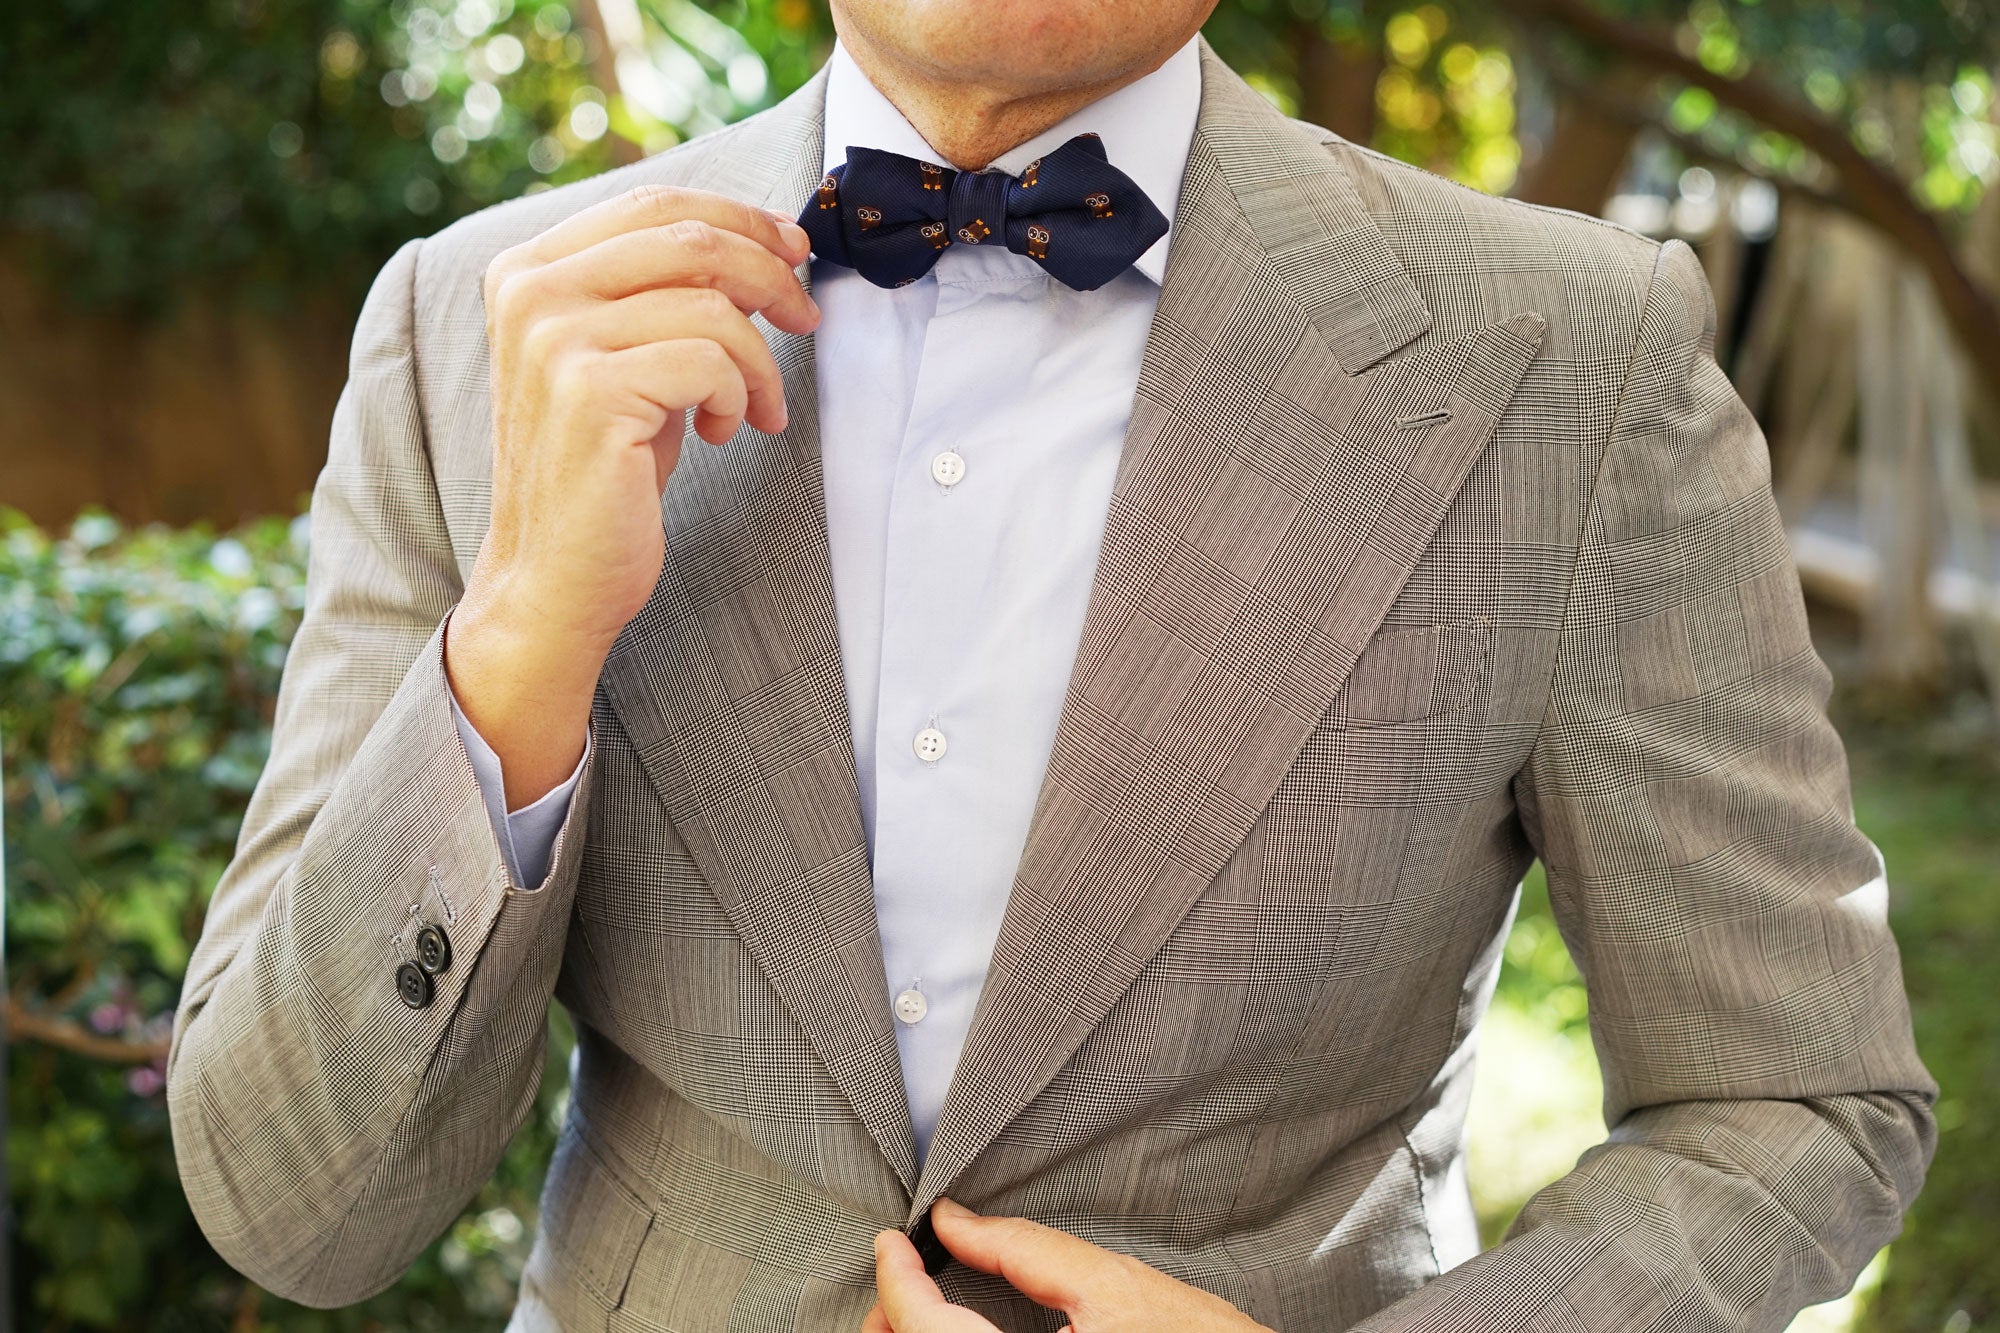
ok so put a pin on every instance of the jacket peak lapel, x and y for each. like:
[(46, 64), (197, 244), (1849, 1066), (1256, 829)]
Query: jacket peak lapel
[(1280, 479)]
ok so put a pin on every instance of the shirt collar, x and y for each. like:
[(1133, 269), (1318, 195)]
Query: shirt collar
[(1146, 126)]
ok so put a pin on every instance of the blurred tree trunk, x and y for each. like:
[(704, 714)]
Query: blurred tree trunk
[(1820, 381), (1982, 257), (1724, 257), (611, 40), (1958, 483), (1584, 159), (1899, 628), (1337, 81), (1785, 287)]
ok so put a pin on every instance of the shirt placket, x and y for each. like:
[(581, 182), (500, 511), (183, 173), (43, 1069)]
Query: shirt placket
[(939, 920)]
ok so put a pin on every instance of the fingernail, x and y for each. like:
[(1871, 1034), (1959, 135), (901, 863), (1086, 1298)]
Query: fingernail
[(795, 235), (953, 1207)]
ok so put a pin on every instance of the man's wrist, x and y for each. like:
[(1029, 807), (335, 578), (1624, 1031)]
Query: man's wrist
[(527, 692)]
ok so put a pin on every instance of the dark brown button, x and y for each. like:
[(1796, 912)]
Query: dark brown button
[(433, 950), (924, 1236), (414, 985)]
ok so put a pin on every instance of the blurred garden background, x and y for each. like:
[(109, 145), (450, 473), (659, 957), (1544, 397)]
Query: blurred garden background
[(193, 197)]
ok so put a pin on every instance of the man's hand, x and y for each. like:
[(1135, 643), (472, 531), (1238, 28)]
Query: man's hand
[(1100, 1290), (605, 330)]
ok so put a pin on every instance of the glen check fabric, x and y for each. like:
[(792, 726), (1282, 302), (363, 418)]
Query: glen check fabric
[(889, 217), (1439, 542)]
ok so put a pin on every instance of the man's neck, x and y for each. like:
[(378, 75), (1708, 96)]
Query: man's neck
[(969, 125)]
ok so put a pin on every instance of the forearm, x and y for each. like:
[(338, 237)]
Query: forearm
[(526, 689), (326, 1130), (1700, 1214), (327, 1127)]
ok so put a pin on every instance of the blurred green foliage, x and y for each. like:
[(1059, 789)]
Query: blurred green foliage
[(134, 677), (1911, 81), (270, 146), (276, 145), (1930, 806), (270, 143), (1444, 93), (137, 676)]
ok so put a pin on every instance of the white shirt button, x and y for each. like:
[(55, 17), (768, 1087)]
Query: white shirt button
[(930, 745), (947, 469), (911, 1006)]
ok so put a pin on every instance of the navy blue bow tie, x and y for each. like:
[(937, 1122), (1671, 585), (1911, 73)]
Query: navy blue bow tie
[(889, 217)]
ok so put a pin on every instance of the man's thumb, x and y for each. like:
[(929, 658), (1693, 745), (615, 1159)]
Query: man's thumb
[(1048, 1266)]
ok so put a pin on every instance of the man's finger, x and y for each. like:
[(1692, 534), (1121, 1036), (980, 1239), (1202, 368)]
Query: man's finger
[(909, 1297), (656, 205), (675, 376), (688, 254), (1048, 1266), (875, 1321), (681, 312)]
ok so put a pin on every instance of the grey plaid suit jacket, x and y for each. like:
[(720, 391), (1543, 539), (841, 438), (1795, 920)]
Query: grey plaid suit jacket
[(1439, 543)]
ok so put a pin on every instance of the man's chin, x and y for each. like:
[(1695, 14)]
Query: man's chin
[(1022, 48)]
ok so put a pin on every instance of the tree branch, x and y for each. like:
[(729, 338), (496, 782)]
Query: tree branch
[(1873, 192), (1622, 111), (25, 1024)]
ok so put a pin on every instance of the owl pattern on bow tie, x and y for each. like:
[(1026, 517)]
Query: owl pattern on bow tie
[(890, 216)]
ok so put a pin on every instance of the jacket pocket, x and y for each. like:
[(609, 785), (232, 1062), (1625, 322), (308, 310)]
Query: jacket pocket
[(591, 1223), (1406, 675)]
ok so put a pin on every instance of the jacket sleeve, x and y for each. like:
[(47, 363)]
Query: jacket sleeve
[(1770, 1119), (325, 1129)]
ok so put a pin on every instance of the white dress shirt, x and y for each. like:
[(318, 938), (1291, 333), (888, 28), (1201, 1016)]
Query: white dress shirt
[(970, 429)]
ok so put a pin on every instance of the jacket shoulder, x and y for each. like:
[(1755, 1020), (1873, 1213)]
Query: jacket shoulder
[(1478, 258)]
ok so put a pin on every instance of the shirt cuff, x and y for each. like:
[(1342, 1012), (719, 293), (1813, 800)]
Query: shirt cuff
[(526, 836)]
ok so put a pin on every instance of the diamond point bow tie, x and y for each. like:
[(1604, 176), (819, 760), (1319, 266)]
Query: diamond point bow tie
[(889, 217)]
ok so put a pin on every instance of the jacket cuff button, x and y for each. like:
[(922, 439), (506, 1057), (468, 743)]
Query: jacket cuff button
[(414, 985)]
